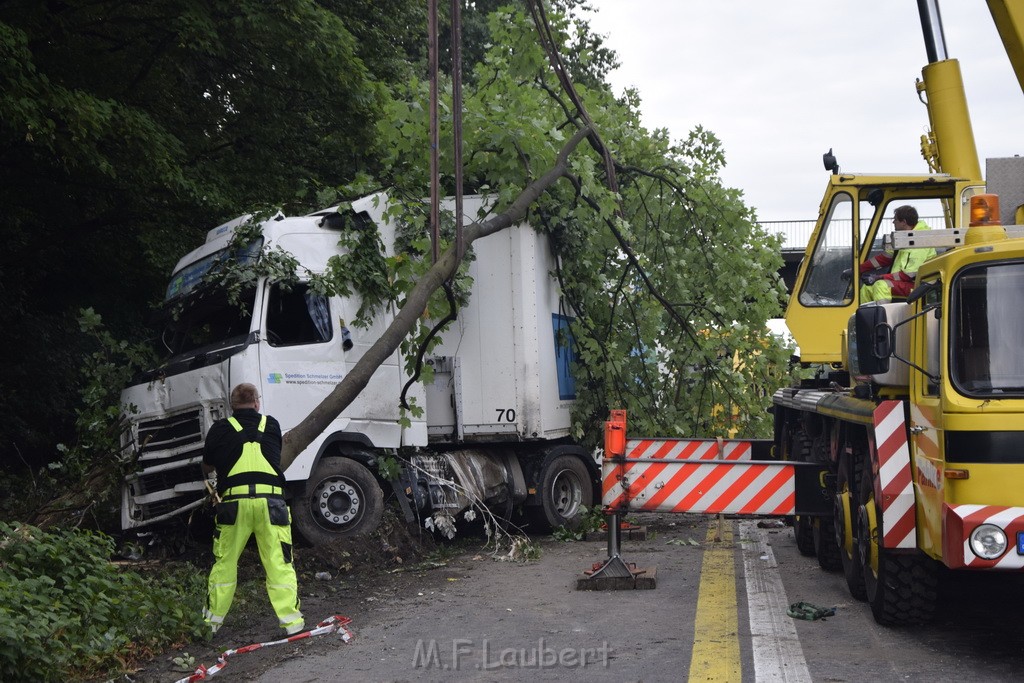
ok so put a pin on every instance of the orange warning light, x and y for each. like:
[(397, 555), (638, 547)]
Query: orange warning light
[(985, 210)]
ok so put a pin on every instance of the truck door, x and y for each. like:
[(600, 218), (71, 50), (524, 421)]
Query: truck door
[(301, 355), (823, 299)]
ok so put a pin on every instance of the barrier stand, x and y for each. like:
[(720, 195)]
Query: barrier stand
[(615, 573)]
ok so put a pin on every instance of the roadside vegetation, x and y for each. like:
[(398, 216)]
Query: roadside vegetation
[(68, 613)]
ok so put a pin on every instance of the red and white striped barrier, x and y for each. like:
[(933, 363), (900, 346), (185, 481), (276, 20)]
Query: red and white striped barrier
[(333, 624), (692, 475)]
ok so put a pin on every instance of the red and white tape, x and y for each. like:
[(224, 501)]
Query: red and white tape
[(333, 624)]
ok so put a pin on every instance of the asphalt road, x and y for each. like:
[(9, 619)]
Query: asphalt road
[(479, 619)]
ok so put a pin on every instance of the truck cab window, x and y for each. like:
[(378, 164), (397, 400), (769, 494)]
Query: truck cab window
[(987, 326), (297, 316), (833, 254), (205, 319), (932, 338)]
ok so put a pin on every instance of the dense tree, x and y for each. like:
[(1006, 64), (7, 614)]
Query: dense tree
[(127, 130)]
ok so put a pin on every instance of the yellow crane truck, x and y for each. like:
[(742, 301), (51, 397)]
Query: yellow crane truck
[(915, 415)]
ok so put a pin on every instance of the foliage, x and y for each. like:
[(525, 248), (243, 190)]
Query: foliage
[(361, 268), (243, 265), (104, 372), (388, 467), (67, 612), (590, 519)]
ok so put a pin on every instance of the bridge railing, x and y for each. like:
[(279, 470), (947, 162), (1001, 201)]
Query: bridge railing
[(796, 234)]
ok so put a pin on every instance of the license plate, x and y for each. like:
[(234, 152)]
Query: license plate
[(1020, 542)]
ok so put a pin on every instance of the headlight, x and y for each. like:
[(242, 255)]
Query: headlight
[(988, 541)]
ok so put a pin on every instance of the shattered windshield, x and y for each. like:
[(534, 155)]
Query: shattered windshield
[(206, 320), (988, 326), (197, 316)]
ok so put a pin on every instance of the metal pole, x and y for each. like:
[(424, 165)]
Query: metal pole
[(614, 535), (931, 27), (457, 122), (435, 199)]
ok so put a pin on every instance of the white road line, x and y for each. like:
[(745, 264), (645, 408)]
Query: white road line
[(778, 656)]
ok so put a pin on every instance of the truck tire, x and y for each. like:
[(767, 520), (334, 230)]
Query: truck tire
[(342, 498), (901, 589), (825, 548), (803, 529), (845, 523), (565, 489), (797, 448)]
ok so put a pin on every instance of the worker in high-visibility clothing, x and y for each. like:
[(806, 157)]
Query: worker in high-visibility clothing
[(245, 452), (903, 264)]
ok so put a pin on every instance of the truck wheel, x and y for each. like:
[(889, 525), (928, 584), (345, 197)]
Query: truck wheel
[(798, 447), (803, 529), (825, 548), (564, 489), (342, 499), (844, 514), (901, 589)]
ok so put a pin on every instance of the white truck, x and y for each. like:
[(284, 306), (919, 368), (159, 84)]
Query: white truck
[(496, 417)]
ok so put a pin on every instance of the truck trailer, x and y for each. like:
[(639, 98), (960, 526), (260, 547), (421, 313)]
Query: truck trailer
[(495, 425)]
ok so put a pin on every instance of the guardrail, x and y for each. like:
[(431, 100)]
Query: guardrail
[(796, 234)]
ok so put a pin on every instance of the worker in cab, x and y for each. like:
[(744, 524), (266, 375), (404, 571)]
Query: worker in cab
[(245, 452), (890, 273)]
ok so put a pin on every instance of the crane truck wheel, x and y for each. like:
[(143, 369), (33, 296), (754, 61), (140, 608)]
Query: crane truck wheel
[(342, 498), (845, 522), (803, 529), (797, 447), (901, 589), (565, 489), (825, 548)]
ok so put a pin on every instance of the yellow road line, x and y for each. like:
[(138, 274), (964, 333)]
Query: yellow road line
[(716, 645)]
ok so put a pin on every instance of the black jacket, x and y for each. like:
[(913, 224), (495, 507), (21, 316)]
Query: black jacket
[(224, 445)]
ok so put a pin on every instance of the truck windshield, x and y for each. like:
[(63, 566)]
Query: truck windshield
[(206, 320), (987, 328), (191, 276)]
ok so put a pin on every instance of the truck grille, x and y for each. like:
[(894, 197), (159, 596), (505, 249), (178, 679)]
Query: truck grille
[(168, 452)]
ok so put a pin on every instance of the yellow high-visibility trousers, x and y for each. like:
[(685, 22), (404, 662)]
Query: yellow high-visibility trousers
[(881, 290), (270, 520)]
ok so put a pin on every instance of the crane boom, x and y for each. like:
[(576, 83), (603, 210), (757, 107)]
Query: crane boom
[(949, 145), (1008, 16)]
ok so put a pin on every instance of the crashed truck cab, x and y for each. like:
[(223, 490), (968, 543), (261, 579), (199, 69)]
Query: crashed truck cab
[(287, 342)]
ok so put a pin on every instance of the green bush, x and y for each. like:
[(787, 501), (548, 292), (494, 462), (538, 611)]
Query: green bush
[(66, 611)]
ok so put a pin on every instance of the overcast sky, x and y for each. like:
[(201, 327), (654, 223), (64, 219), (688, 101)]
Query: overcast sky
[(780, 83)]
